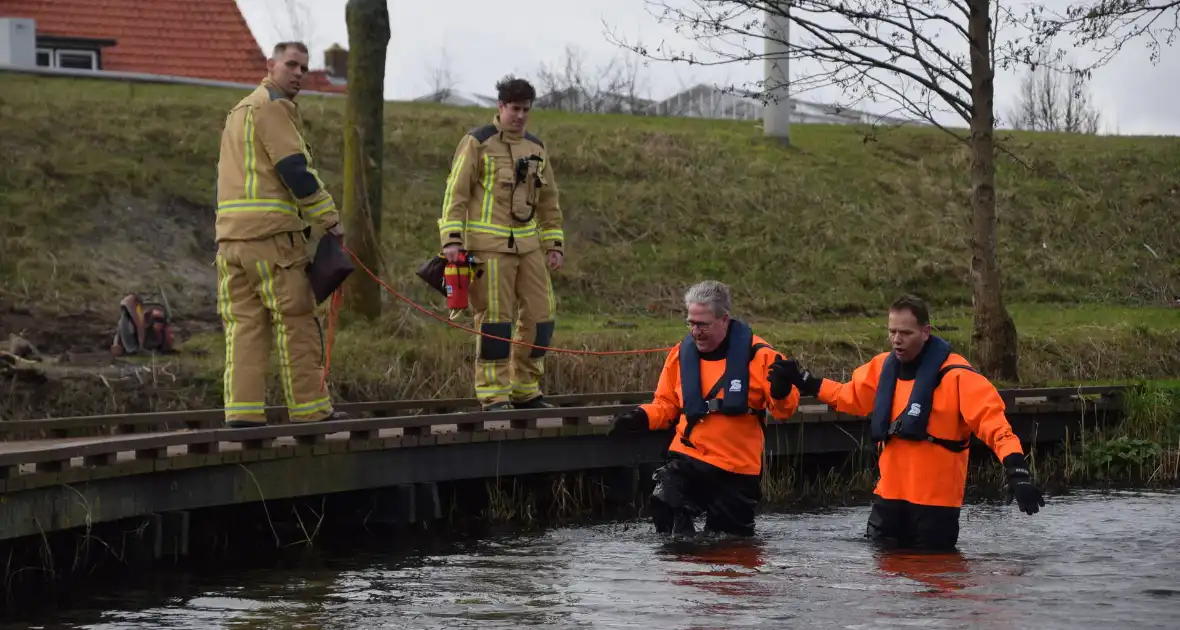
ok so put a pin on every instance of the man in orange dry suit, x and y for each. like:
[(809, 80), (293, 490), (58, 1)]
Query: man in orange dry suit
[(925, 402), (715, 388)]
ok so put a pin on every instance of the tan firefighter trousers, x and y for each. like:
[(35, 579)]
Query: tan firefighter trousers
[(263, 288), (511, 287)]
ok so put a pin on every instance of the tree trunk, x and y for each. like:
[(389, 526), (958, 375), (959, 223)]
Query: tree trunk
[(994, 334), (368, 40)]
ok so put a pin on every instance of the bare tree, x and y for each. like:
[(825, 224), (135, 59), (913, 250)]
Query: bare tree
[(1054, 100), (441, 77), (294, 21), (570, 86), (1109, 25), (927, 56)]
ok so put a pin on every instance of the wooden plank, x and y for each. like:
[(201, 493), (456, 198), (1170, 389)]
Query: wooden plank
[(204, 419), (53, 455), (213, 418), (1065, 392)]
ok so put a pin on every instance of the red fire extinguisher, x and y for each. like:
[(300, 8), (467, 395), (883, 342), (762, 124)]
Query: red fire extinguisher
[(457, 277)]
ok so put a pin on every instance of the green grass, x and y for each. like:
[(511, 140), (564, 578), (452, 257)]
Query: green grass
[(122, 174), (107, 187)]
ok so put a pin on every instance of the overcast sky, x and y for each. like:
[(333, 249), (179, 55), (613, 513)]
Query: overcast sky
[(483, 41)]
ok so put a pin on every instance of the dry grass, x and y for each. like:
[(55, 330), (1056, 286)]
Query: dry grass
[(409, 358)]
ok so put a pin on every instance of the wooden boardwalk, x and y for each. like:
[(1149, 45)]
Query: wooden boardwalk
[(60, 473)]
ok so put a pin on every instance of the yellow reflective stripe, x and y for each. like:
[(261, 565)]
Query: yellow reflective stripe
[(446, 227), (318, 208), (483, 392), (526, 388), (230, 323), (307, 155), (452, 183), (493, 315), (481, 227), (493, 288), (501, 230), (552, 235), (310, 408), (489, 193), (246, 407), (258, 205), (551, 296), (251, 158), (271, 300)]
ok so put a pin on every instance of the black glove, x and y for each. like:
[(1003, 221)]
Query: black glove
[(1020, 485), (788, 369), (780, 379), (633, 421)]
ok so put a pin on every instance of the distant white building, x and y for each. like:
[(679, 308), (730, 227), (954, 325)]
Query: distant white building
[(700, 101), (706, 101), (578, 99), (457, 98)]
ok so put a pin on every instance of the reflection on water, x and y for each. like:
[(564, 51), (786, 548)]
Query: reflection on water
[(1086, 561)]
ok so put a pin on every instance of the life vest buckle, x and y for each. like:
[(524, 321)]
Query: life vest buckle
[(713, 405)]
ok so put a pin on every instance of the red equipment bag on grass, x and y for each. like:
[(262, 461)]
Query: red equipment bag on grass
[(143, 327)]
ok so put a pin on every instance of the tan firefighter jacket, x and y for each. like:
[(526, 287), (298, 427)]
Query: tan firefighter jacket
[(266, 182), (501, 195)]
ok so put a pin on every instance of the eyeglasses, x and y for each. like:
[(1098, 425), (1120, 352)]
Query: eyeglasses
[(700, 325)]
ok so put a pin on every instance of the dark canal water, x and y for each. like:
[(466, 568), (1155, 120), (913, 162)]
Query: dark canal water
[(1089, 560)]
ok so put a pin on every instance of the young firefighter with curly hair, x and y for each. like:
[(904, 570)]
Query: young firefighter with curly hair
[(500, 205)]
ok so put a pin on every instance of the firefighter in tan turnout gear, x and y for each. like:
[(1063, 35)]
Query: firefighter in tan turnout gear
[(500, 205), (267, 194)]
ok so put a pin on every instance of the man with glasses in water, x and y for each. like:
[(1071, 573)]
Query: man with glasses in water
[(716, 387)]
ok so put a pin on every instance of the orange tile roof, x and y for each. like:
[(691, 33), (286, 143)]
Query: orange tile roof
[(317, 81), (206, 39)]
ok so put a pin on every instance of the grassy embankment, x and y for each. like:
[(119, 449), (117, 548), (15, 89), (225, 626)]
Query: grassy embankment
[(107, 188)]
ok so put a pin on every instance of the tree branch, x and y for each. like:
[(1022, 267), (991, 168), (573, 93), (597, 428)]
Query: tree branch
[(868, 38), (1109, 25)]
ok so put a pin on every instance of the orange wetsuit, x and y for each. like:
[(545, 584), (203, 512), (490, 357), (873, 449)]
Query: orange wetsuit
[(923, 476), (715, 459), (921, 472), (731, 443)]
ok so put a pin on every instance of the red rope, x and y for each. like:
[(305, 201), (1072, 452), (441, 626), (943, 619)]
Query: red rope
[(392, 291), (333, 310)]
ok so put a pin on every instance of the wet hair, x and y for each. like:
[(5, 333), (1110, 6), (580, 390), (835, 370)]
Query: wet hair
[(282, 47), (913, 304), (513, 90), (710, 293)]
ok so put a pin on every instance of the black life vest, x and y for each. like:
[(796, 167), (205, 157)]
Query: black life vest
[(735, 379), (911, 423)]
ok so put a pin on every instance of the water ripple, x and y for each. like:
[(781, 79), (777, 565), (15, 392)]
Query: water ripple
[(1086, 561)]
